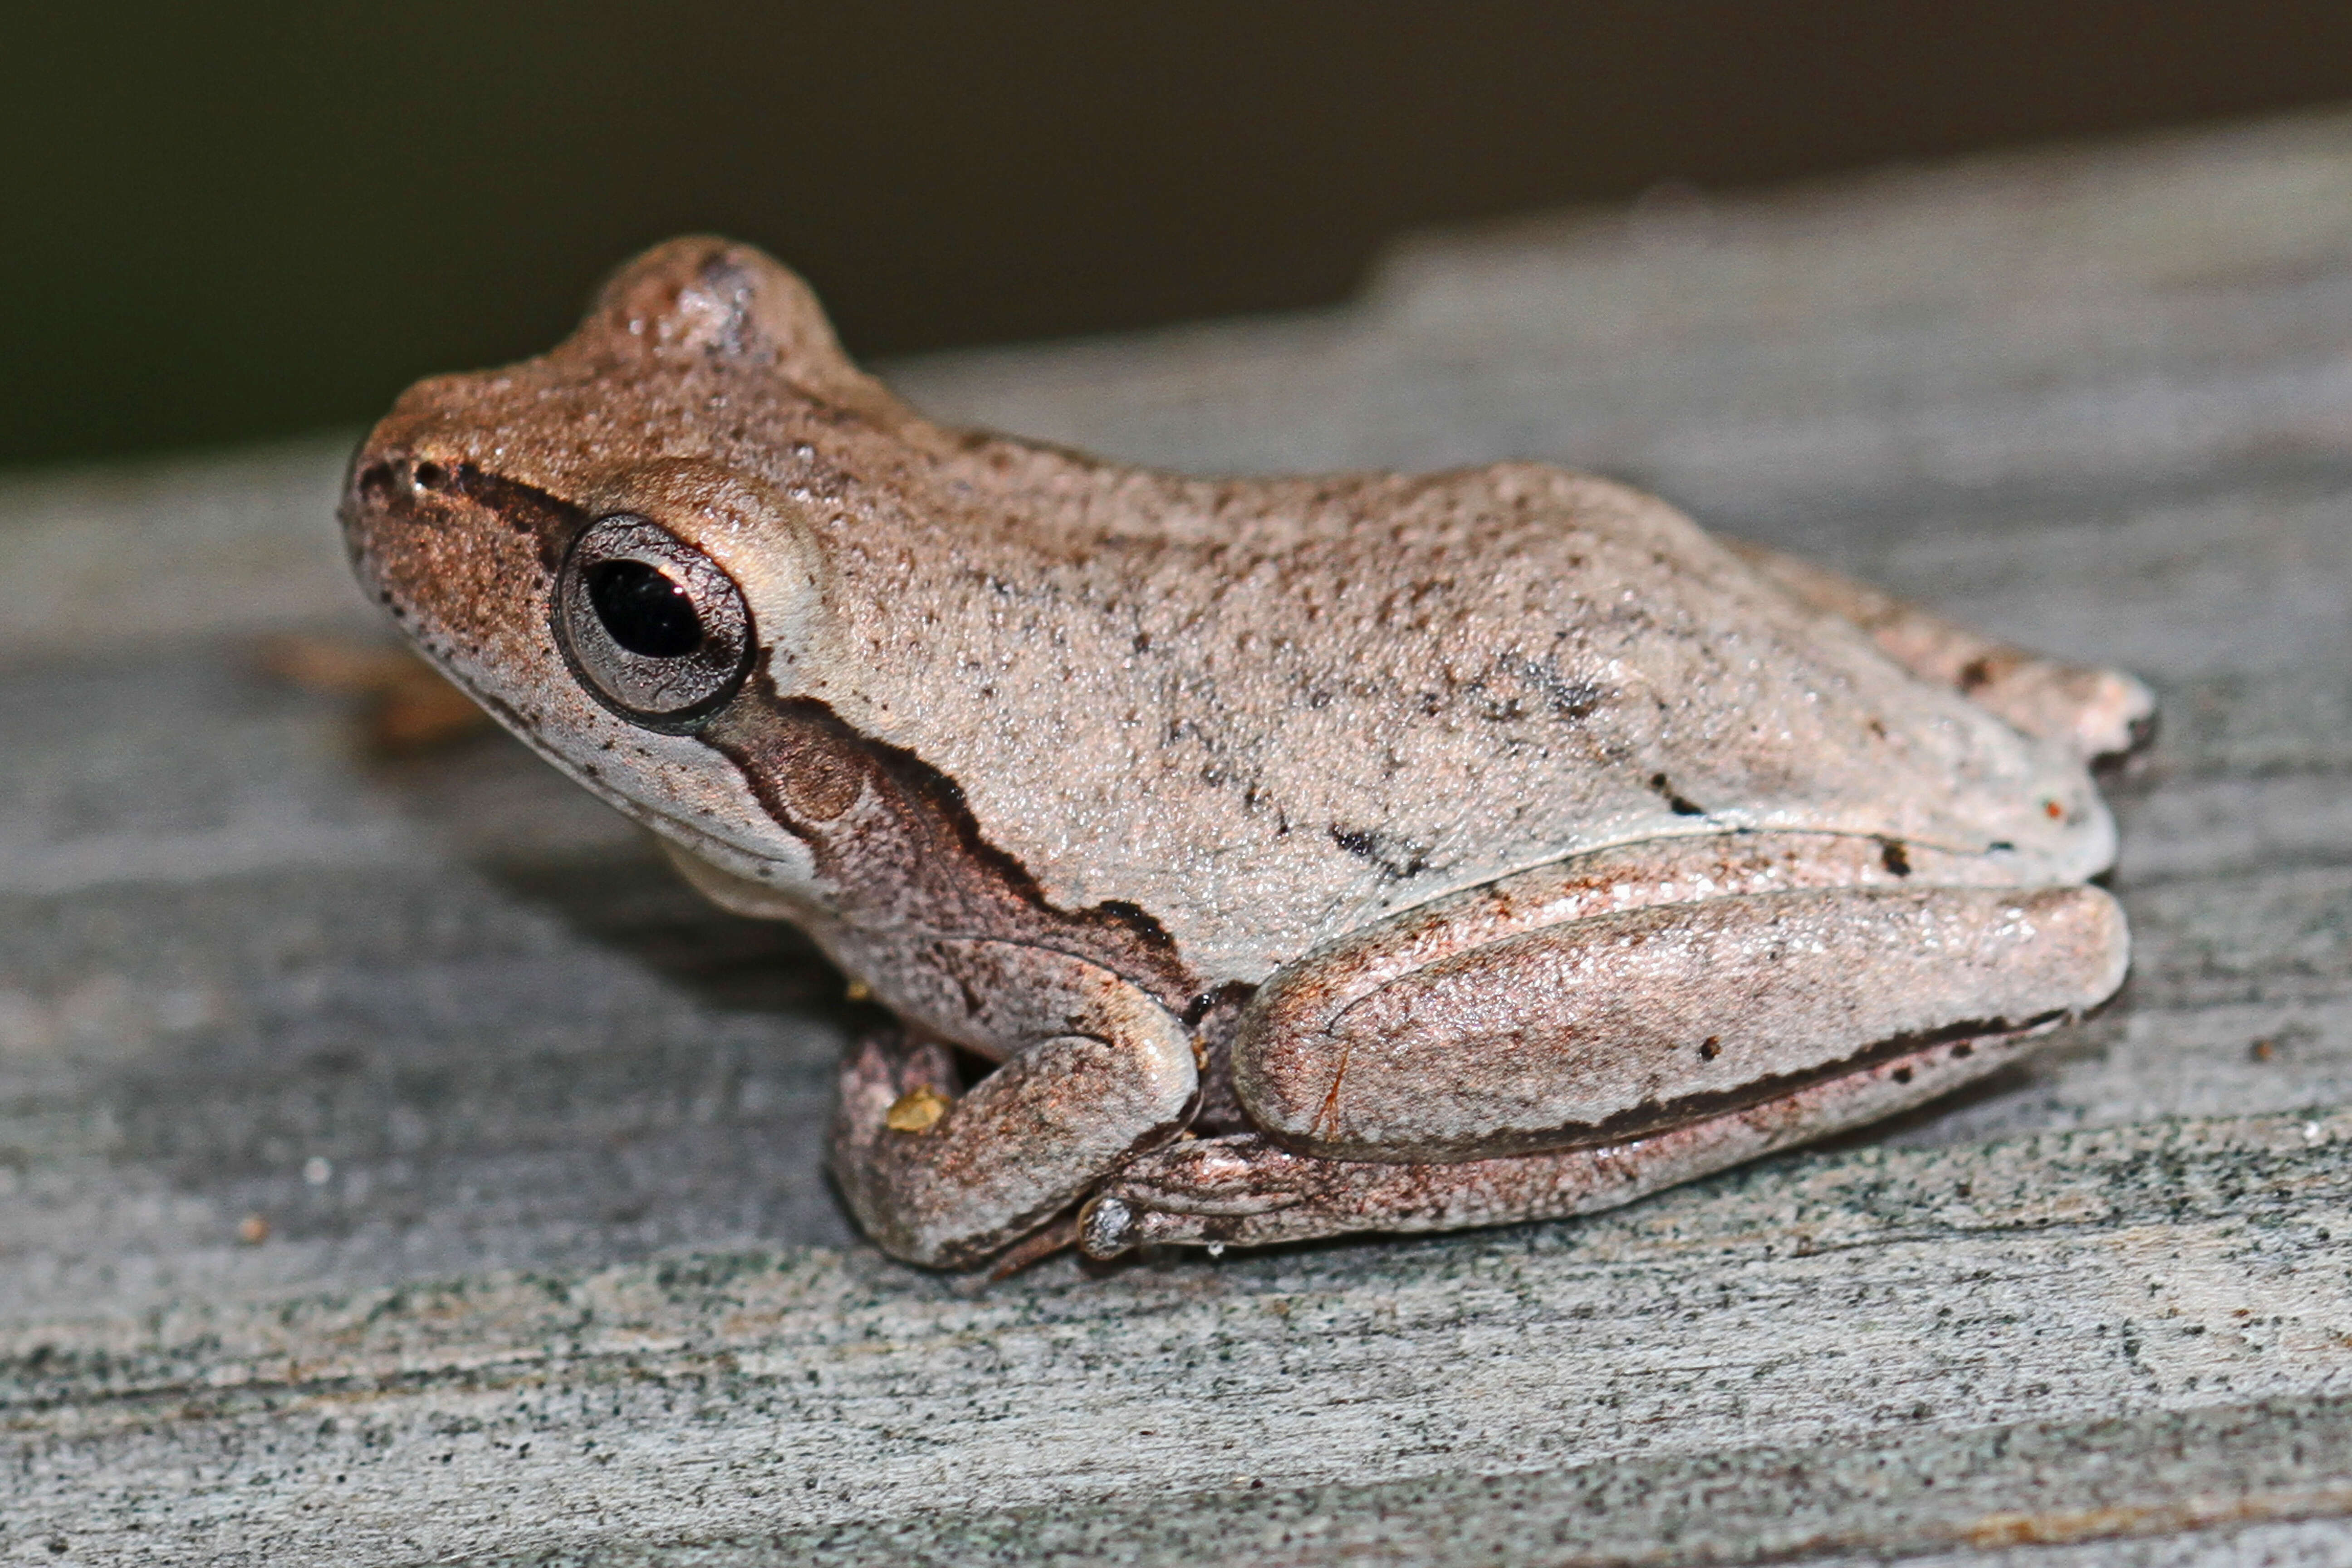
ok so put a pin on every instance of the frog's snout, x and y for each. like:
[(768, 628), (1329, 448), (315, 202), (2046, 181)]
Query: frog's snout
[(386, 490)]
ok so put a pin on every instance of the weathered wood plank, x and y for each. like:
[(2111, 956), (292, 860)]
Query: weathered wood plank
[(535, 1134), (2204, 1486), (2126, 1271)]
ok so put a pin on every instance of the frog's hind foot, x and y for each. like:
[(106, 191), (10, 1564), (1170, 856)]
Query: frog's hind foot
[(2098, 713), (1244, 1191)]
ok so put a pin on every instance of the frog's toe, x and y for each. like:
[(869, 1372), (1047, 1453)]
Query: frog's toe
[(1107, 1227)]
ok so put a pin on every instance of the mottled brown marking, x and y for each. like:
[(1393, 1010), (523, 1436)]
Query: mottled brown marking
[(893, 835), (1679, 803), (406, 492)]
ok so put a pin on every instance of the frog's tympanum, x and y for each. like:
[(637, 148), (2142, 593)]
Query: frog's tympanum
[(1247, 860)]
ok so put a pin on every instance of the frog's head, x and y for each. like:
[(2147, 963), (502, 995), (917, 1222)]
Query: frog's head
[(610, 545)]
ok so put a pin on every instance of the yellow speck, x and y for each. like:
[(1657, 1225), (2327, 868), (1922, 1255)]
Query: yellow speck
[(858, 990), (253, 1229), (917, 1111)]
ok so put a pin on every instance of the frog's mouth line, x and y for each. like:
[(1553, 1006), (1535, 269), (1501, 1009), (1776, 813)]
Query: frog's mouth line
[(720, 853)]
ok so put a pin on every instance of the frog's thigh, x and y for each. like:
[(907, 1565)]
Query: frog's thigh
[(2097, 711), (1245, 1192), (1605, 1028), (946, 1181)]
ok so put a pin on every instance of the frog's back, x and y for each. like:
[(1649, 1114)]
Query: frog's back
[(1262, 713), (1272, 712)]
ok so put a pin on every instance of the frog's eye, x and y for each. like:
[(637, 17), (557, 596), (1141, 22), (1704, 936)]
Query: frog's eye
[(649, 624)]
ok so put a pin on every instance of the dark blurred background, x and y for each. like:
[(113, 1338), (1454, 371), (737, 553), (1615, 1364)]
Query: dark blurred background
[(228, 224)]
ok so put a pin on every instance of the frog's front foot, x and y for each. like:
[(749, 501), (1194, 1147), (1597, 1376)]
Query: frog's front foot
[(948, 1178)]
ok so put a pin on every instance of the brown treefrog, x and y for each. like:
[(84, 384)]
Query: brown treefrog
[(1289, 857)]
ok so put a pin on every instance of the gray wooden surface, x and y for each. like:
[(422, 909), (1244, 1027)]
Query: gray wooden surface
[(551, 1273)]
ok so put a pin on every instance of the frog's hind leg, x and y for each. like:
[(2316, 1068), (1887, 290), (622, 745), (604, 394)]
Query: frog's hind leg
[(1608, 1028), (1244, 1191), (2099, 712), (1576, 1035)]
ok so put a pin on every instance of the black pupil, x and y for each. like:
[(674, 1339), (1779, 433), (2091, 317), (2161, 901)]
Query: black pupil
[(645, 612)]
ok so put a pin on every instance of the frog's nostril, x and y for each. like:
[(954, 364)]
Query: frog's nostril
[(374, 478), (428, 477)]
